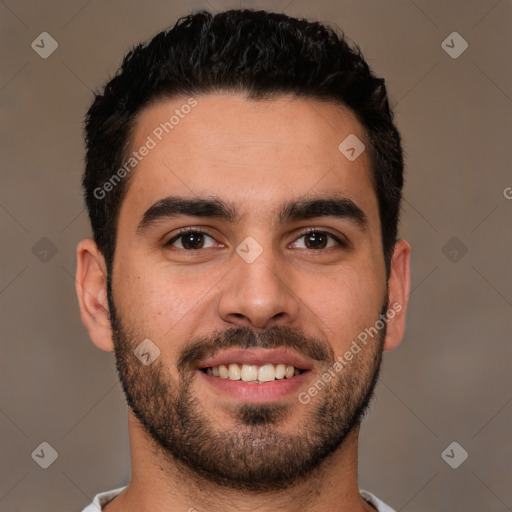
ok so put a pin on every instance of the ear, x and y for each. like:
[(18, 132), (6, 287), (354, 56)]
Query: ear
[(91, 288), (398, 285)]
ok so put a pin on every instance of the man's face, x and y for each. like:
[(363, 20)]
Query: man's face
[(254, 288)]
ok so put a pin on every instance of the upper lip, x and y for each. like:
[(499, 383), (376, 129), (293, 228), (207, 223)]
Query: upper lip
[(258, 357)]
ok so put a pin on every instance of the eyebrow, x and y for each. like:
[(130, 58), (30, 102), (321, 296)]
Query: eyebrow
[(170, 207)]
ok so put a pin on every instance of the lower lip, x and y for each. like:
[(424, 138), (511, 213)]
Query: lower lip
[(254, 392)]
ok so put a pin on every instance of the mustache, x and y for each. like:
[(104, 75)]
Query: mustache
[(245, 337)]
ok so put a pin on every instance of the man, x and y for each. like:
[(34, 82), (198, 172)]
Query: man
[(243, 180)]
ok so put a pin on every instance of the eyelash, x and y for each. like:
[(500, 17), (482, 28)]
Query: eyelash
[(308, 231)]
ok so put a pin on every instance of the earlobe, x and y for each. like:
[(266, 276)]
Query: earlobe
[(91, 288), (399, 286)]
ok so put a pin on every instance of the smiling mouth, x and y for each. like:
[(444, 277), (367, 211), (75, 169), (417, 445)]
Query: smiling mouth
[(257, 374)]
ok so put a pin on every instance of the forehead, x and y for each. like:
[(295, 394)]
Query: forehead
[(256, 153)]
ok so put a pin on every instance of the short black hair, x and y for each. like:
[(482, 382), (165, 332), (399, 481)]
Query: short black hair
[(259, 54)]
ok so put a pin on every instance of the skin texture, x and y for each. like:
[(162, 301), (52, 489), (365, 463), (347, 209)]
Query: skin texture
[(257, 155)]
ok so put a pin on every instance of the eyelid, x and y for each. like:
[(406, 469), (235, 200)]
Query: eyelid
[(184, 231), (339, 238)]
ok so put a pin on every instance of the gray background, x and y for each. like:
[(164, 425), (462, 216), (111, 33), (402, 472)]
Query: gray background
[(451, 378)]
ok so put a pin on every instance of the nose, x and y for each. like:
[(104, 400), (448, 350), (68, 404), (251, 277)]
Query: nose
[(257, 294)]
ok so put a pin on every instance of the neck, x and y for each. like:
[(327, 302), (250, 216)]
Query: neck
[(159, 483)]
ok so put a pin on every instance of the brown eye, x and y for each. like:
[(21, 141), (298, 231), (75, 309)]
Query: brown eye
[(190, 240), (315, 240)]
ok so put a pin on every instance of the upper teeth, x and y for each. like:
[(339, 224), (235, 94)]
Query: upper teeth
[(253, 373)]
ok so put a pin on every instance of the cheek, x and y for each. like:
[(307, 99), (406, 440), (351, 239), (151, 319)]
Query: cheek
[(155, 305), (160, 302), (345, 302)]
